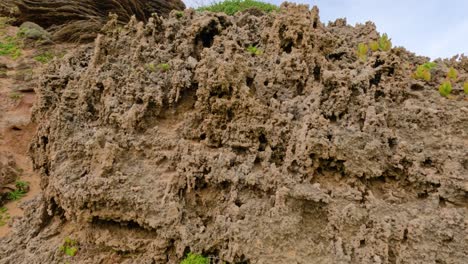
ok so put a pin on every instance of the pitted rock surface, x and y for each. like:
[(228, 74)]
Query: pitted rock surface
[(301, 154)]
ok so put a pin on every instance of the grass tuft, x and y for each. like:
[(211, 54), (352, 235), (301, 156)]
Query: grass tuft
[(10, 46), (16, 195)]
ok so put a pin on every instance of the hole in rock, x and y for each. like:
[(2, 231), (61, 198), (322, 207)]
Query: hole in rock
[(416, 87), (249, 81), (362, 243), (427, 162), (336, 56), (287, 45), (206, 36), (263, 142), (378, 63), (376, 80), (317, 73)]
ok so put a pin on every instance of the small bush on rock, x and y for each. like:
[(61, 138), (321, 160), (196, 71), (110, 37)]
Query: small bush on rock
[(69, 247), (254, 50), (385, 44), (452, 74), (374, 45), (445, 88), (423, 72), (362, 51)]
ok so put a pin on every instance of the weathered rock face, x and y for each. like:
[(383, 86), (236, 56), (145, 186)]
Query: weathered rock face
[(81, 20), (8, 171), (301, 154)]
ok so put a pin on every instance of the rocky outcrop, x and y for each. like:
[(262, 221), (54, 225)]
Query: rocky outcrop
[(73, 20), (169, 137)]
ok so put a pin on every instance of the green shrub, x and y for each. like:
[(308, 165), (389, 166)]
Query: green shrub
[(465, 87), (445, 88), (374, 45), (231, 7), (179, 14), (195, 259), (254, 50), (385, 44), (452, 74), (69, 247), (423, 72), (362, 51)]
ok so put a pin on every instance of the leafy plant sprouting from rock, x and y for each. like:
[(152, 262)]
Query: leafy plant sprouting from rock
[(465, 88), (362, 51), (374, 45), (195, 259), (179, 14), (254, 50), (452, 74), (423, 72), (69, 247), (385, 44), (445, 88)]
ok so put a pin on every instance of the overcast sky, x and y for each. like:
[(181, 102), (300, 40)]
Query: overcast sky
[(433, 28)]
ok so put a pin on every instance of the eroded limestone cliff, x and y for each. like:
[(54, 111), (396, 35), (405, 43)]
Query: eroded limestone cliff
[(169, 137)]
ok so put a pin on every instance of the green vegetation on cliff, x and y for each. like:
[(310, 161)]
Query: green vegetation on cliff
[(231, 7)]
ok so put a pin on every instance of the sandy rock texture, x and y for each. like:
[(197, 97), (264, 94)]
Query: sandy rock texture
[(169, 137)]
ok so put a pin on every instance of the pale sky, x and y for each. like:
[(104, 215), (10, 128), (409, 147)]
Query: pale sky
[(433, 28)]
